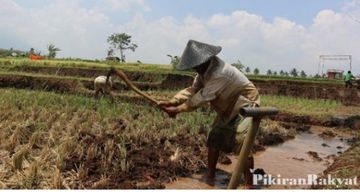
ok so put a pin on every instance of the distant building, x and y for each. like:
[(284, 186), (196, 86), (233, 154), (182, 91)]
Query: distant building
[(334, 73), (113, 59)]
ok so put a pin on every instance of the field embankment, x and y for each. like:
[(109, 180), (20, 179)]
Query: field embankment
[(154, 81)]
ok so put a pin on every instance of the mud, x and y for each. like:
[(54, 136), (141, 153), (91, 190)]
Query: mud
[(161, 80), (142, 161), (224, 159), (330, 91), (314, 155), (302, 122), (146, 165), (345, 166), (288, 160), (327, 133), (46, 84)]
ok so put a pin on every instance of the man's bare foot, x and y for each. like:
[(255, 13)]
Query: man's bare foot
[(210, 180)]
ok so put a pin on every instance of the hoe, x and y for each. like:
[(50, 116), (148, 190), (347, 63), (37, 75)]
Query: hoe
[(256, 113), (122, 75)]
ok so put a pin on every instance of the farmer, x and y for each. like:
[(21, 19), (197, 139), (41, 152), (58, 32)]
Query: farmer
[(100, 86), (227, 90), (348, 77)]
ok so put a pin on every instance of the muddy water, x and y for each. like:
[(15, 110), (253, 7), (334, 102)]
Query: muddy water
[(288, 160)]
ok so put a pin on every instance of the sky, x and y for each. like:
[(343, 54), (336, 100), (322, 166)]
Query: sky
[(264, 34)]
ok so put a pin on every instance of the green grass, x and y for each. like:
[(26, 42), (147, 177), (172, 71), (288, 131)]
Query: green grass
[(154, 68), (311, 107), (295, 105)]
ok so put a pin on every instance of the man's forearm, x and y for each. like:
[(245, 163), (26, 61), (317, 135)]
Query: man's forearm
[(185, 107)]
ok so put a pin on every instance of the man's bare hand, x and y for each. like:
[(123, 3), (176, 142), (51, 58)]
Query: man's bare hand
[(171, 111), (164, 104)]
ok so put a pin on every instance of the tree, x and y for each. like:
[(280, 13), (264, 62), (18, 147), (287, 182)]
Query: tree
[(238, 65), (121, 41), (275, 73), (32, 51), (110, 52), (52, 50), (247, 70), (38, 53), (286, 74), (303, 74), (269, 72), (352, 10), (282, 73), (294, 72), (317, 76), (256, 71)]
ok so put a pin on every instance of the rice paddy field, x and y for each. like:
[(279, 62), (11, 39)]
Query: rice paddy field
[(55, 135)]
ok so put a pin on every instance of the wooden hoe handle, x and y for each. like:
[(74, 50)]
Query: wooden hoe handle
[(122, 75)]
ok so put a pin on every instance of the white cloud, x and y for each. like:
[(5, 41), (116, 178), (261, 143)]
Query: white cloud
[(77, 32), (219, 20), (125, 5), (278, 45)]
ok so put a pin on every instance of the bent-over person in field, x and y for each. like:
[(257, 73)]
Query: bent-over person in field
[(227, 90), (101, 87)]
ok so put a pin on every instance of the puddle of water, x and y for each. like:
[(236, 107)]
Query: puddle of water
[(289, 160)]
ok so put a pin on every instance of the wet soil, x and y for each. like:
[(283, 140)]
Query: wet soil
[(286, 160), (302, 122), (149, 162), (309, 90), (42, 83), (171, 81), (346, 166), (141, 164)]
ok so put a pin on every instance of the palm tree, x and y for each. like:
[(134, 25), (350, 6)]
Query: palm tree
[(256, 71), (282, 73), (238, 65), (269, 72), (247, 70), (52, 50), (303, 74), (294, 72)]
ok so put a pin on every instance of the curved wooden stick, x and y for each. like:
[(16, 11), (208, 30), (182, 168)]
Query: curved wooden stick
[(128, 83)]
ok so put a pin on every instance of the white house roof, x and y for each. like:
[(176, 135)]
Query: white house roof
[(335, 71)]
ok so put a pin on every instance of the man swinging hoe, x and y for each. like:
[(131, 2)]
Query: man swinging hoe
[(227, 90)]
